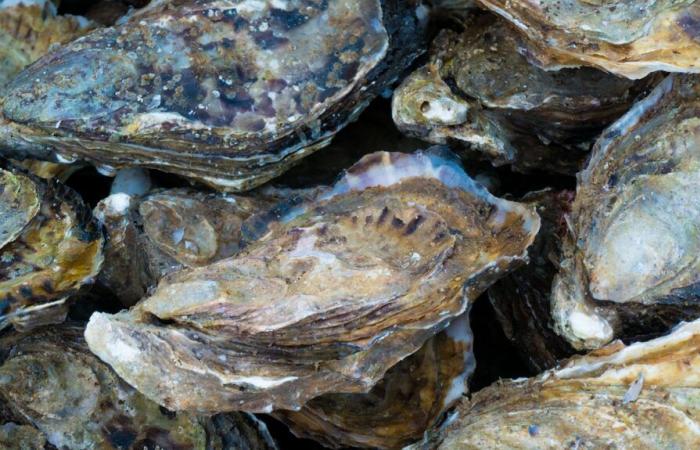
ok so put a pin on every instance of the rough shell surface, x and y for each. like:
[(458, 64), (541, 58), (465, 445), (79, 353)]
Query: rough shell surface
[(521, 299), (29, 29), (646, 395), (523, 115), (65, 395), (336, 293), (231, 93), (411, 398), (630, 264), (630, 38), (50, 248), (168, 230)]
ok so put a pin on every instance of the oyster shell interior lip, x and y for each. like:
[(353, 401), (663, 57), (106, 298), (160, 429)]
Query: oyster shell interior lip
[(395, 228), (636, 396), (19, 203)]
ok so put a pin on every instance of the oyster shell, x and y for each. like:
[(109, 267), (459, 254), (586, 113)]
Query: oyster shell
[(231, 93), (522, 300), (52, 381), (646, 395), (631, 39), (49, 247), (338, 291), (28, 29), (630, 263), (168, 230), (523, 115), (408, 401)]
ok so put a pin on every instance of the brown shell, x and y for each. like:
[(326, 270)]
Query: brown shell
[(521, 299), (65, 395), (51, 255), (410, 399), (480, 92), (228, 93), (630, 39), (630, 265), (338, 291), (644, 396)]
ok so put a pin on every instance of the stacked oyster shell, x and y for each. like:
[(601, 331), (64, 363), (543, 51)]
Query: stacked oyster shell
[(519, 187)]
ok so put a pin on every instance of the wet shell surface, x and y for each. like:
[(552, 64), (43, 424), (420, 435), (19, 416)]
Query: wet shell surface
[(630, 38), (630, 264), (49, 247), (524, 116), (66, 396), (29, 29), (410, 399), (338, 291), (645, 395), (521, 299), (230, 93)]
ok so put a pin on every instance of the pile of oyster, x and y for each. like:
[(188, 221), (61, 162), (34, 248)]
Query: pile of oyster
[(280, 224)]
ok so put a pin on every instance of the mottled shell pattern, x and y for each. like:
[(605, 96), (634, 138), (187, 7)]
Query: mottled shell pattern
[(231, 93)]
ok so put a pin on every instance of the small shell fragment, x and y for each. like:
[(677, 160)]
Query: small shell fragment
[(338, 291)]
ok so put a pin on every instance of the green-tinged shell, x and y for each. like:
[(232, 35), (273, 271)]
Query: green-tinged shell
[(74, 401), (630, 38), (335, 293), (630, 265), (522, 300), (479, 91), (643, 396), (410, 399), (231, 93), (171, 229), (29, 29), (52, 248)]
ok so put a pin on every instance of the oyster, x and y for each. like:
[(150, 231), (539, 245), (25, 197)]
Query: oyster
[(646, 395), (630, 265), (521, 299), (338, 291), (231, 93), (524, 116), (74, 401), (409, 400), (28, 29), (170, 229), (49, 247), (630, 39)]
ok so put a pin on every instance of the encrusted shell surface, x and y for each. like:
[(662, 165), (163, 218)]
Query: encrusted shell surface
[(337, 292), (631, 38), (521, 299), (644, 396), (171, 229), (630, 264), (231, 93), (50, 247), (410, 399), (480, 92), (52, 383), (28, 29)]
